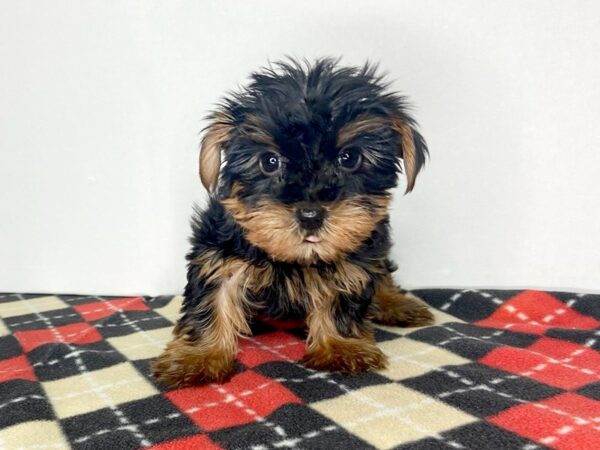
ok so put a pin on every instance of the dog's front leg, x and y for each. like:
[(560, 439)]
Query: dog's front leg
[(341, 341), (214, 316)]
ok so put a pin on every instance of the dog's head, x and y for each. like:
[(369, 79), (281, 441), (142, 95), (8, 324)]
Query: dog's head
[(309, 156)]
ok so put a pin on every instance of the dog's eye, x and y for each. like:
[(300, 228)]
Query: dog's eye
[(270, 163), (349, 160)]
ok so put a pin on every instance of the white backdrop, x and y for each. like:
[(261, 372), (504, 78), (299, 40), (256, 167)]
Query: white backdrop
[(101, 104)]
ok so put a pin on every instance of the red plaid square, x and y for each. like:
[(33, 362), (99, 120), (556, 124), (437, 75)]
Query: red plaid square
[(105, 308), (535, 312), (189, 443), (277, 346), (246, 398), (568, 421), (557, 363), (76, 333), (16, 368)]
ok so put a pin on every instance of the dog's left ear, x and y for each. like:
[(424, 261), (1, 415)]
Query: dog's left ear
[(217, 135), (413, 149)]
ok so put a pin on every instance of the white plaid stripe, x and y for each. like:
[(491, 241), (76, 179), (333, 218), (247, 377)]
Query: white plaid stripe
[(119, 414), (571, 302), (244, 407), (455, 297), (127, 322), (22, 399), (52, 362), (292, 442)]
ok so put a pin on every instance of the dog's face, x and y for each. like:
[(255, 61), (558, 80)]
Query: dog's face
[(310, 154)]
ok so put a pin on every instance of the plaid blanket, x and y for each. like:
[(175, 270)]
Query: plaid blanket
[(499, 369)]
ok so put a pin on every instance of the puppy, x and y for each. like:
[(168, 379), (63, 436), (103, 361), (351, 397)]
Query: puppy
[(299, 166)]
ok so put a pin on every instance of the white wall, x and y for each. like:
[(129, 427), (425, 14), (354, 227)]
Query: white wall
[(101, 104)]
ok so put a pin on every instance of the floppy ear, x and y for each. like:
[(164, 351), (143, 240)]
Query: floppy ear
[(217, 135), (413, 150)]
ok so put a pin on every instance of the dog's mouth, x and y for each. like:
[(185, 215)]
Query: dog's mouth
[(312, 239)]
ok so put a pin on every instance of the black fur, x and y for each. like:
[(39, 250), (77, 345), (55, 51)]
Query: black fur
[(303, 108)]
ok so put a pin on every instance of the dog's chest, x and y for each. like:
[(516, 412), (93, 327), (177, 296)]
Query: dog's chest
[(297, 288)]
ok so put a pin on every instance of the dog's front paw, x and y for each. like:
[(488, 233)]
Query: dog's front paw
[(348, 356), (401, 310), (184, 363)]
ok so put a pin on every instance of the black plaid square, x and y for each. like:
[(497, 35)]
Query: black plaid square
[(43, 320), (129, 322), (66, 360), (469, 305), (291, 426), (471, 341), (385, 335), (476, 435), (23, 401), (479, 390), (589, 338), (591, 390), (151, 420), (313, 386), (9, 347), (587, 304)]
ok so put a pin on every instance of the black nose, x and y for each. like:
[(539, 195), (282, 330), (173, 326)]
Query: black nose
[(310, 216)]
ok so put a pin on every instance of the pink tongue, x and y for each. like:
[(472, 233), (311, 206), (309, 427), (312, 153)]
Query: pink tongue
[(312, 238)]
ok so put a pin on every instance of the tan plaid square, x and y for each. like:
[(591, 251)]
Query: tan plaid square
[(98, 389), (31, 434), (388, 415), (171, 310), (3, 329), (31, 305), (408, 358), (143, 344)]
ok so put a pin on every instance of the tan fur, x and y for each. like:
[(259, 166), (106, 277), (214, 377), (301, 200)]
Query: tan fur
[(327, 349), (408, 152), (189, 358), (392, 307), (362, 125), (210, 151), (371, 124), (272, 227), (253, 128)]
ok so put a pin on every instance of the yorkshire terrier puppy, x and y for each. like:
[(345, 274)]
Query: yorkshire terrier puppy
[(299, 166)]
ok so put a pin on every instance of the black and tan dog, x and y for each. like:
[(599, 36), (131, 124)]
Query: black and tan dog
[(297, 221)]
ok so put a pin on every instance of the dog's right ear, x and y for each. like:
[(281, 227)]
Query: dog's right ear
[(413, 150), (217, 135)]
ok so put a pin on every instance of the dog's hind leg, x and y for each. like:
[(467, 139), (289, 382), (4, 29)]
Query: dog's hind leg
[(214, 316), (391, 307)]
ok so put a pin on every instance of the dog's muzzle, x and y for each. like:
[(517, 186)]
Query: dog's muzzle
[(310, 217)]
